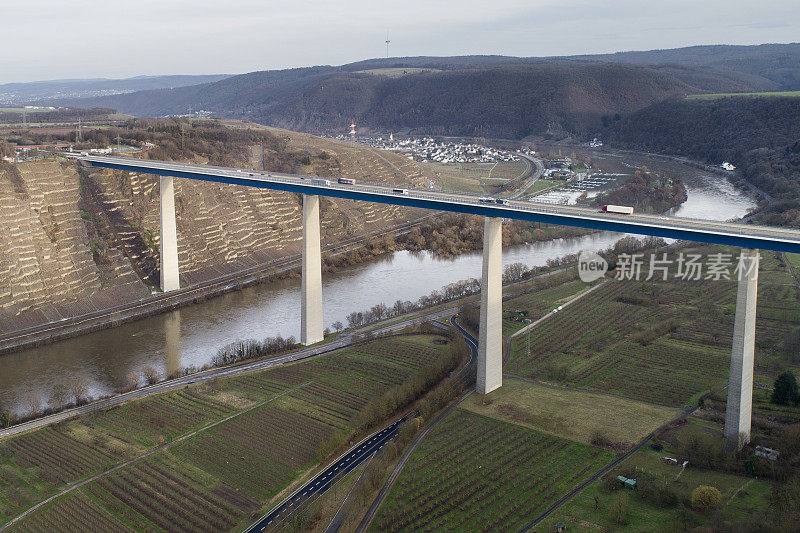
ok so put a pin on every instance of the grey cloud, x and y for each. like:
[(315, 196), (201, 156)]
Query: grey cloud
[(99, 38)]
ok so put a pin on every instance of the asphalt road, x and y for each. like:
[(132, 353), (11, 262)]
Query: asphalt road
[(387, 486), (751, 236), (536, 175), (332, 473), (355, 455)]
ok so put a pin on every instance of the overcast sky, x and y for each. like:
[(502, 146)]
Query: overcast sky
[(51, 39)]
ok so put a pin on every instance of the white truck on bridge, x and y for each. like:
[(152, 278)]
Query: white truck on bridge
[(620, 209)]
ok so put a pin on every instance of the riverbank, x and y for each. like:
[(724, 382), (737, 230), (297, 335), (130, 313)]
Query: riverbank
[(163, 302)]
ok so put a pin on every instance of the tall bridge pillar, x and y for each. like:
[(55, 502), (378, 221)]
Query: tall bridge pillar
[(740, 382), (311, 284), (169, 236), (490, 336)]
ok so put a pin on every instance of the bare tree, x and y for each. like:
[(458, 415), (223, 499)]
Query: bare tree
[(150, 375), (32, 402), (133, 380), (59, 396), (514, 272), (6, 416), (79, 385), (338, 326)]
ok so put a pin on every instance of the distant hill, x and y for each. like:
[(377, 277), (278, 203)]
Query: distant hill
[(770, 67), (45, 90), (710, 130), (488, 96), (496, 96), (760, 135)]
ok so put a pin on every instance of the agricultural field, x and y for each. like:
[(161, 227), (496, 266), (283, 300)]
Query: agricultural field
[(209, 456), (662, 342), (578, 416), (476, 473), (742, 496), (543, 184), (715, 96), (540, 299), (479, 178)]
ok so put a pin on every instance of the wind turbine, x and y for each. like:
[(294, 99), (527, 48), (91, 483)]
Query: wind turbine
[(387, 43)]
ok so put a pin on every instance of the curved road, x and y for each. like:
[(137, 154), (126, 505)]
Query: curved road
[(464, 375), (359, 453), (326, 478), (537, 174)]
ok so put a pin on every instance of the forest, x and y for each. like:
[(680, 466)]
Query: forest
[(646, 192), (761, 136), (505, 99)]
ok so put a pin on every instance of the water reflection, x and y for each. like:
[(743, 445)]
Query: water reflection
[(172, 341)]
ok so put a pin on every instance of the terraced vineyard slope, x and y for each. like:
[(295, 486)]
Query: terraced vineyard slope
[(74, 240), (48, 265)]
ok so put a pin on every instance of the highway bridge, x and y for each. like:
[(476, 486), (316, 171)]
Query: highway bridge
[(749, 237)]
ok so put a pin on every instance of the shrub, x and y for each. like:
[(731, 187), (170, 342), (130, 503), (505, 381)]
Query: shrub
[(706, 497), (785, 390), (600, 439), (150, 375), (610, 482), (659, 492)]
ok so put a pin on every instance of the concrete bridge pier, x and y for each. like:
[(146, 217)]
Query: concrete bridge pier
[(740, 381), (490, 336), (169, 237), (311, 284)]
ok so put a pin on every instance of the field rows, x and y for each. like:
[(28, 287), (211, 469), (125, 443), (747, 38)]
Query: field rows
[(661, 342), (75, 514), (476, 473), (214, 480)]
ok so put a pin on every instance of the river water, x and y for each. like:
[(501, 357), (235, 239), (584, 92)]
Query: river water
[(192, 335)]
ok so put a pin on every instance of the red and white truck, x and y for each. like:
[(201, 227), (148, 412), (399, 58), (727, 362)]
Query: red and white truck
[(620, 209)]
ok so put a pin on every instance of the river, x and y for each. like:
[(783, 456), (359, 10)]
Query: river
[(192, 335)]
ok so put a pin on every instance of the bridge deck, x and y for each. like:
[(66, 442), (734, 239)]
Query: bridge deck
[(714, 232)]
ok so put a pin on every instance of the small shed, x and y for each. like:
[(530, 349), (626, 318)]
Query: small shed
[(628, 482)]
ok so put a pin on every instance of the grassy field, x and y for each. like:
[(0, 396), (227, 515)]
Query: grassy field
[(474, 177), (543, 184), (578, 416), (477, 473), (714, 96), (286, 420), (793, 259), (590, 511), (662, 342)]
